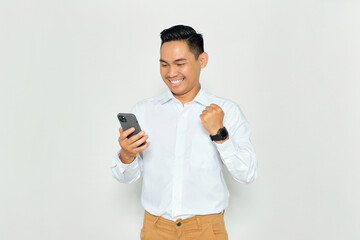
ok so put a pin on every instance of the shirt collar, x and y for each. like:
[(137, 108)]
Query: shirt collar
[(201, 97), (167, 96)]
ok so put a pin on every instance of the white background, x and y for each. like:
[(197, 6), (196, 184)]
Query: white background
[(68, 67)]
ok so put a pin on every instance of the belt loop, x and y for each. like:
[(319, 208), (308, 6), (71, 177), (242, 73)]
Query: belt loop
[(198, 222), (157, 218)]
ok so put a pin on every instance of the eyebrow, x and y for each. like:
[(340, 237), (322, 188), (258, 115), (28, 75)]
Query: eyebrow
[(177, 60)]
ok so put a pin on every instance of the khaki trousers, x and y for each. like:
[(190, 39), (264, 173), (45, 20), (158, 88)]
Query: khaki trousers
[(199, 227)]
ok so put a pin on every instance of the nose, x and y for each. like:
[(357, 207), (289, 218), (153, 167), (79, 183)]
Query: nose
[(172, 72)]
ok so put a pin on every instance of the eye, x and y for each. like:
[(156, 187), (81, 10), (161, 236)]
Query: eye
[(164, 65), (181, 64)]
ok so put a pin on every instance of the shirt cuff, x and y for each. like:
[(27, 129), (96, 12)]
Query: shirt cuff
[(226, 149), (123, 166)]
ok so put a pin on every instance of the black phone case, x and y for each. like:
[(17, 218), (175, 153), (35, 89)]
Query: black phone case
[(128, 120)]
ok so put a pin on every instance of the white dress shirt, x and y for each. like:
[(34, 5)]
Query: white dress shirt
[(182, 167)]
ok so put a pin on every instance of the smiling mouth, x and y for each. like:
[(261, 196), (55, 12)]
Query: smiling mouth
[(176, 82)]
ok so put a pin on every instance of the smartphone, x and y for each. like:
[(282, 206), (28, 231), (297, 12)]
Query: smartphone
[(128, 120)]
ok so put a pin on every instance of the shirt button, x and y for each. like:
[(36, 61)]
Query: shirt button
[(178, 224)]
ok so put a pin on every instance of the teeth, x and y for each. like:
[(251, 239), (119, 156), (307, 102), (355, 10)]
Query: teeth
[(177, 81)]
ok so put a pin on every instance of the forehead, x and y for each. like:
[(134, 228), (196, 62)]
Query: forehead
[(174, 50)]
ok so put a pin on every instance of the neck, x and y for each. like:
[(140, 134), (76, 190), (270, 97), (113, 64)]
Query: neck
[(189, 96)]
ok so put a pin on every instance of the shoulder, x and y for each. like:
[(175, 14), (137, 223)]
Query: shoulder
[(224, 103), (231, 109), (233, 113), (151, 101)]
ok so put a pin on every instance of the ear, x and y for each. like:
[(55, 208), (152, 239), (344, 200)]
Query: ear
[(203, 58)]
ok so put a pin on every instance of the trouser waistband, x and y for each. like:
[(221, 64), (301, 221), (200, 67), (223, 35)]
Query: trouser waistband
[(194, 222)]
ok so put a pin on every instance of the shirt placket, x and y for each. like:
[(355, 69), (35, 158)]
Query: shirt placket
[(180, 146)]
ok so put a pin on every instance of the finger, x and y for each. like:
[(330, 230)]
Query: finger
[(142, 148), (136, 137), (218, 108), (207, 110), (204, 115), (126, 133), (140, 141), (121, 130), (210, 108)]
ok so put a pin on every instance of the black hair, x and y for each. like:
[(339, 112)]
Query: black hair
[(193, 39)]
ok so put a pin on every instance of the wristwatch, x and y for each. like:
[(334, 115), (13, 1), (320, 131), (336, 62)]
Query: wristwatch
[(222, 134)]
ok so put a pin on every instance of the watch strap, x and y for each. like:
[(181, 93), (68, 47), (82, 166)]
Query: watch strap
[(222, 134)]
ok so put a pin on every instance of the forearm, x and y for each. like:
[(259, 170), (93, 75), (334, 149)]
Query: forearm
[(240, 160)]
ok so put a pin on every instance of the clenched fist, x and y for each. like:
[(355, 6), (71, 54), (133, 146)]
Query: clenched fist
[(212, 118)]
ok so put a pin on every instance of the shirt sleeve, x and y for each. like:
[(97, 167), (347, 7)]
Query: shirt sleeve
[(127, 173), (237, 153)]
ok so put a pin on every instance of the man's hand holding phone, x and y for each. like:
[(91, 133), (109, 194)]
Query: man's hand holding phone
[(130, 147)]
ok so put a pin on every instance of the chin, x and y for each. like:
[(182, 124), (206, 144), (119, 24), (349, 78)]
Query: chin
[(175, 89)]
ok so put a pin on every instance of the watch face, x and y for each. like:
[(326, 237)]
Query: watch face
[(221, 135)]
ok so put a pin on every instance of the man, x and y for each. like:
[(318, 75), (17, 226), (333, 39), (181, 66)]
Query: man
[(193, 134)]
